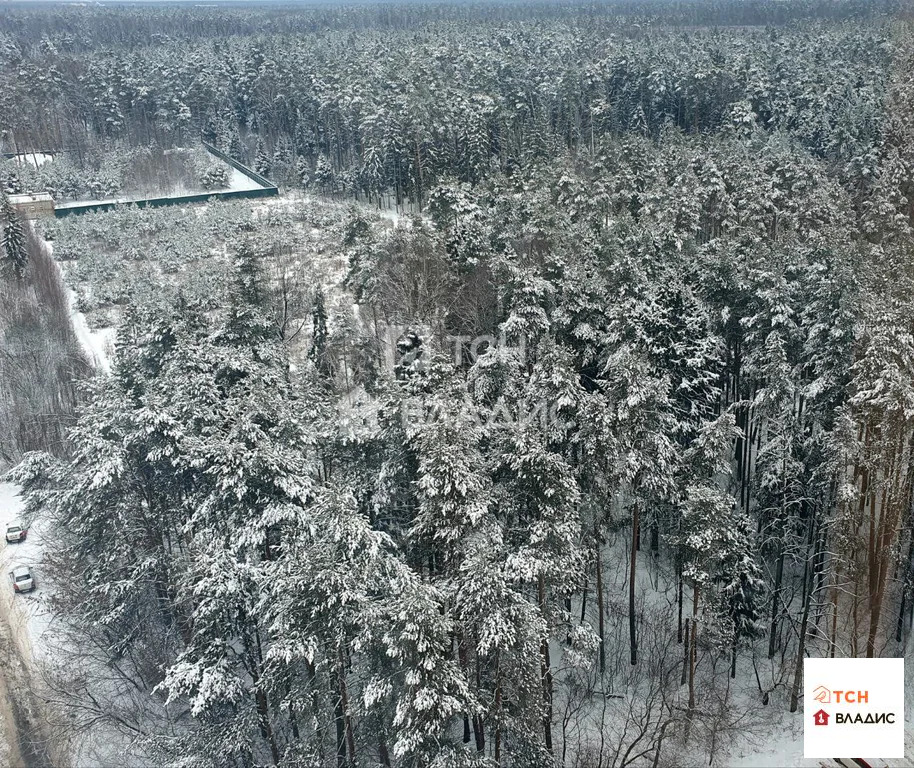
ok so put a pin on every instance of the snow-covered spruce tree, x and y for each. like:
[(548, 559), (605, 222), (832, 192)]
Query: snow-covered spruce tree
[(319, 354), (282, 165), (13, 240), (780, 496), (741, 587), (262, 163), (456, 213), (246, 445), (323, 173), (247, 323)]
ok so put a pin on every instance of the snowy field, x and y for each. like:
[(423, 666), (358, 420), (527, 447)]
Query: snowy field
[(35, 159), (238, 182), (98, 344)]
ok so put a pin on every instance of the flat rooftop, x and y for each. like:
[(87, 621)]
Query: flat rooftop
[(35, 198)]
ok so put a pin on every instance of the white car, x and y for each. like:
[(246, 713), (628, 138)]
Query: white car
[(22, 579), (15, 532)]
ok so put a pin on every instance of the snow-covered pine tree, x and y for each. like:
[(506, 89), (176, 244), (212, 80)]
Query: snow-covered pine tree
[(715, 546), (538, 498), (642, 458)]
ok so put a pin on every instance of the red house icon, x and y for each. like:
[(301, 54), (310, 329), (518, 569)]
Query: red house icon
[(821, 717)]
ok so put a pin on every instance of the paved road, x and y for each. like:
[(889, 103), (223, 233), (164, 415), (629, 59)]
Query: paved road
[(24, 737)]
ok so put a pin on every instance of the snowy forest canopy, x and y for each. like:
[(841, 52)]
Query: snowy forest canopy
[(568, 460)]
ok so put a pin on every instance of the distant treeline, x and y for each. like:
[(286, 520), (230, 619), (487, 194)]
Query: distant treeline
[(138, 24), (379, 100)]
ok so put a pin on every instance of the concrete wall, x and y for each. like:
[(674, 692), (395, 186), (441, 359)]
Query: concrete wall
[(158, 202)]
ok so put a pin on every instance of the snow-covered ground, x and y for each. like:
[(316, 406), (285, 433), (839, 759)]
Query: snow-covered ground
[(239, 182), (780, 743), (29, 615), (36, 159), (25, 622), (97, 344)]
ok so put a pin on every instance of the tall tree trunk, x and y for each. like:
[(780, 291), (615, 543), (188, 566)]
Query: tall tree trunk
[(775, 603), (809, 581), (685, 655), (833, 638), (693, 649), (497, 708), (263, 705), (855, 617), (633, 640), (679, 596), (873, 564), (344, 707), (876, 612), (479, 731), (907, 582), (584, 601), (340, 732), (315, 705), (864, 495), (821, 572), (293, 720), (546, 667), (266, 727), (464, 665), (383, 754), (600, 612)]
